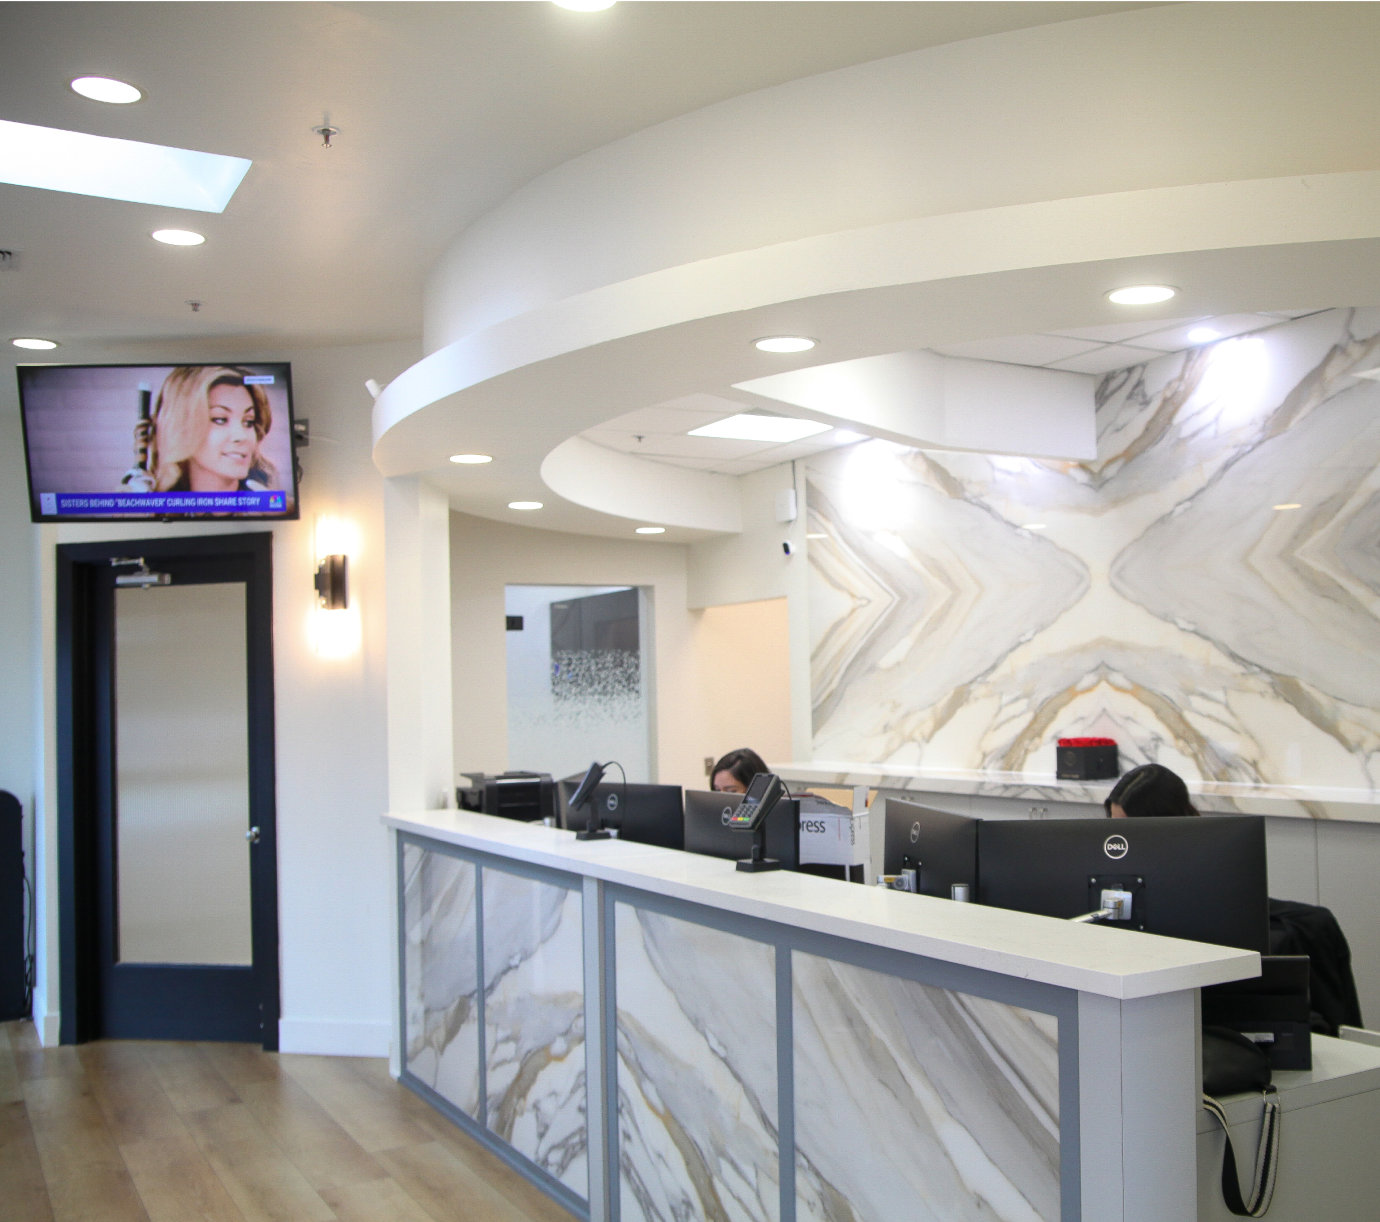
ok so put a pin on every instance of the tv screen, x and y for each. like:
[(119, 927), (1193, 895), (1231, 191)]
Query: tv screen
[(113, 442)]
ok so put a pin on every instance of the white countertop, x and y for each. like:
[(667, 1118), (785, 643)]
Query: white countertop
[(1111, 962), (1360, 805)]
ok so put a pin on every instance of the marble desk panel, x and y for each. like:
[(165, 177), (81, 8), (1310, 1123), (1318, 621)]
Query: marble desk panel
[(440, 969), (534, 1023), (696, 1072), (919, 1102)]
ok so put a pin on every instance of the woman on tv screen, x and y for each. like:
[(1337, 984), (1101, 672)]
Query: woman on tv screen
[(204, 435)]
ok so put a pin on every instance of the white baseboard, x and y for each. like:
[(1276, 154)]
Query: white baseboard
[(321, 1037), (48, 1027)]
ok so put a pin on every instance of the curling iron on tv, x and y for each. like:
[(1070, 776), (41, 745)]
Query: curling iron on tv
[(114, 442)]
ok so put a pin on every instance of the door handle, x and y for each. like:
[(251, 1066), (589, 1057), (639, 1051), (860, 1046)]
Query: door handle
[(252, 835)]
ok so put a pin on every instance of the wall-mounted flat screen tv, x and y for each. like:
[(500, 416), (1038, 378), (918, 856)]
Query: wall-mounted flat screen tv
[(113, 442)]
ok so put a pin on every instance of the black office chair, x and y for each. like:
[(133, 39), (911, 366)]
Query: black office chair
[(1308, 929)]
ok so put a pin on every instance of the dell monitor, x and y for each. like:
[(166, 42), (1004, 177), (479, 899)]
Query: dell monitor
[(1198, 877), (708, 831), (644, 814), (939, 846)]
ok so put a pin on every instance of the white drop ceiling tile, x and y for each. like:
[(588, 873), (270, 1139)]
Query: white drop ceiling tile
[(1020, 349), (662, 418), (1119, 332), (679, 446), (718, 405), (1105, 359), (1176, 339)]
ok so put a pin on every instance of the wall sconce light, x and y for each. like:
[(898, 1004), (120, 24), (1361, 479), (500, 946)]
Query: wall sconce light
[(332, 588)]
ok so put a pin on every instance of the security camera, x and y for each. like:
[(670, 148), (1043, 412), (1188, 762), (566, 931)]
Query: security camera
[(786, 546)]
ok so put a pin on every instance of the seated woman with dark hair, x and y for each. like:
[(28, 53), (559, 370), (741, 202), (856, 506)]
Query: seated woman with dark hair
[(1148, 792), (733, 772)]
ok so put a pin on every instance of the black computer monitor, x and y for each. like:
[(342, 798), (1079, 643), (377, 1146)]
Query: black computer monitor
[(939, 845), (1199, 877), (645, 814), (706, 829)]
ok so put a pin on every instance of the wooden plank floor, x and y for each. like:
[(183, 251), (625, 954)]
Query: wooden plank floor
[(146, 1131)]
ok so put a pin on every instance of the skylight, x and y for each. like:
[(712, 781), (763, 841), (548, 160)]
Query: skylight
[(58, 160), (752, 426)]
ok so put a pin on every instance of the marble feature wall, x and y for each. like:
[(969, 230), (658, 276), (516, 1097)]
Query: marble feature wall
[(916, 1102), (696, 1072), (441, 1011), (534, 1023), (969, 609)]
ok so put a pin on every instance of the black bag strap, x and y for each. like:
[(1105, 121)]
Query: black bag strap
[(1266, 1158)]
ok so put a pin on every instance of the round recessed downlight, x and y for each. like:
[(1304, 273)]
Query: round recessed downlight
[(524, 505), (106, 89), (471, 460), (1141, 294), (585, 6), (1288, 505), (783, 343), (651, 530), (1203, 335), (177, 237), (33, 342)]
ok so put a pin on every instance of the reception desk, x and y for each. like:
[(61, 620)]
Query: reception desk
[(653, 1034)]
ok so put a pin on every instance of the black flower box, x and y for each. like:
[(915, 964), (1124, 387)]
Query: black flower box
[(1086, 759)]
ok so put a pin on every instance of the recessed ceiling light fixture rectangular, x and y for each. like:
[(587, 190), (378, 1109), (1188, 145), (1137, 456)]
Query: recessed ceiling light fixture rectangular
[(749, 426), (58, 160)]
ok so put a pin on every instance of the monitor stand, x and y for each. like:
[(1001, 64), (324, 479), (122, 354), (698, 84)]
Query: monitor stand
[(759, 861)]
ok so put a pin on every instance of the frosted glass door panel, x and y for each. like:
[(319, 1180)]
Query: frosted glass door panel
[(578, 679), (182, 775)]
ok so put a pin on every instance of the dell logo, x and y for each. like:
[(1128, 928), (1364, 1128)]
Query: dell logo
[(915, 832), (611, 802), (726, 816), (1115, 847)]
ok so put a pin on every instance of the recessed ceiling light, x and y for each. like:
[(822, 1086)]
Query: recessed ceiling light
[(651, 530), (1141, 294), (784, 343), (524, 505), (585, 6), (177, 237), (750, 426), (471, 460), (1033, 526), (106, 89), (1203, 335), (81, 164), (1289, 505), (38, 345)]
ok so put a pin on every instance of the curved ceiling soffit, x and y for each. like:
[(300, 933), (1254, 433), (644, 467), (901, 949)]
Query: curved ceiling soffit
[(532, 382)]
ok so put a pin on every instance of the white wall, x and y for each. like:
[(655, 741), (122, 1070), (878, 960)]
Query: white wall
[(486, 556), (334, 879)]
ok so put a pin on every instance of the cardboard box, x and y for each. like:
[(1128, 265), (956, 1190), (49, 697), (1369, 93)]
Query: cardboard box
[(831, 835)]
